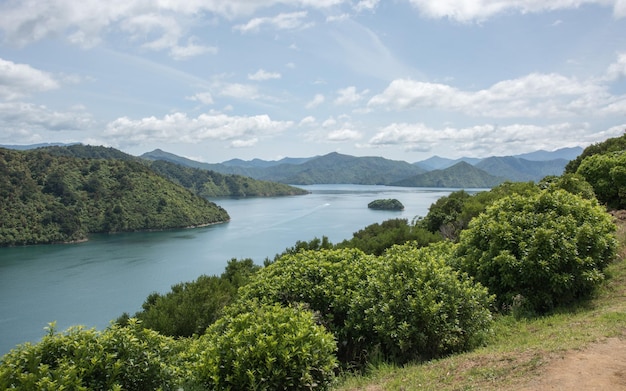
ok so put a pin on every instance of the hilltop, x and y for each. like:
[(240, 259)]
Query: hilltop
[(48, 199), (191, 175)]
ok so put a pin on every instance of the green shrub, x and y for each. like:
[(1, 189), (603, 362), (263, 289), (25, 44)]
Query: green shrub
[(190, 307), (326, 281), (544, 250), (415, 306), (607, 175), (118, 358), (270, 348)]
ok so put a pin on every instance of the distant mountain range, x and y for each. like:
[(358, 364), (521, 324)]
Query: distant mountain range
[(335, 168), (433, 172)]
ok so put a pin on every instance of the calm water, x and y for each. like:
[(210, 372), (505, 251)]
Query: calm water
[(94, 282)]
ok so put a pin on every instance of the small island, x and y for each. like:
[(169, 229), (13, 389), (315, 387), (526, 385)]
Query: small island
[(388, 204)]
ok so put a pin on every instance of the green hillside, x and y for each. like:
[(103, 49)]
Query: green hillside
[(49, 199), (207, 183), (195, 176), (461, 175)]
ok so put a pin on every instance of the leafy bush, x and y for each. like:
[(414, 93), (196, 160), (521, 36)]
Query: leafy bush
[(326, 281), (270, 348), (609, 145), (415, 306), (607, 175), (403, 305), (546, 249), (118, 358), (190, 307), (376, 238), (451, 214)]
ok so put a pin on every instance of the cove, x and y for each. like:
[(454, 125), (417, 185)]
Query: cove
[(94, 282)]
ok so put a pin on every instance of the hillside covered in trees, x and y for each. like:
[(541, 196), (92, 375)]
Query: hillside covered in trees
[(202, 181), (49, 199)]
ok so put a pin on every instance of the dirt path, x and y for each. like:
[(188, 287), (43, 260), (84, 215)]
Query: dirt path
[(601, 367)]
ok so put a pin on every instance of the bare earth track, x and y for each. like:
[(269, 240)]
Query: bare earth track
[(601, 366)]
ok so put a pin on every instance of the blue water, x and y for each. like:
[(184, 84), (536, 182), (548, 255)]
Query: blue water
[(94, 282)]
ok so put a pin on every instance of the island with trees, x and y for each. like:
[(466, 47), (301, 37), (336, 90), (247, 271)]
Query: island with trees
[(388, 204)]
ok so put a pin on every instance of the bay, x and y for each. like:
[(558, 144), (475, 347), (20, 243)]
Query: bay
[(94, 282)]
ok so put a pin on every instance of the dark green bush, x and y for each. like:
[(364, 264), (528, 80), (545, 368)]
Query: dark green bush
[(326, 281), (415, 306), (190, 307), (607, 175), (543, 250), (269, 348), (118, 358)]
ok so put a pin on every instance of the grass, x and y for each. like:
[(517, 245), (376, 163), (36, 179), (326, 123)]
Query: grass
[(519, 349)]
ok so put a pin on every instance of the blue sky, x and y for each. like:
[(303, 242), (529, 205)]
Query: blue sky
[(214, 80)]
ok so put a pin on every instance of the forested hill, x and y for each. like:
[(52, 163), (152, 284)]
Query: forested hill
[(47, 199), (202, 181)]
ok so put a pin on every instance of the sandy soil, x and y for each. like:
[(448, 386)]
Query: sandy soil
[(600, 366)]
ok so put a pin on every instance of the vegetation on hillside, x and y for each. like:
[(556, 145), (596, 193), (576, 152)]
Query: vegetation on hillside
[(520, 249), (203, 182), (212, 184), (461, 175), (49, 199)]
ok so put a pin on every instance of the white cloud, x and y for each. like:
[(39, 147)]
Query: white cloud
[(617, 70), (180, 127), (489, 139), (349, 96), (531, 96), (366, 5), (345, 134), (329, 122), (202, 97), (20, 80), (248, 143), (30, 118), (308, 121), (479, 10), (240, 91), (284, 21), (262, 74), (317, 100)]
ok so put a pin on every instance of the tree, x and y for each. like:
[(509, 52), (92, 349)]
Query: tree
[(545, 250), (268, 348), (607, 175)]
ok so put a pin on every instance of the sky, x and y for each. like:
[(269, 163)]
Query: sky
[(214, 80)]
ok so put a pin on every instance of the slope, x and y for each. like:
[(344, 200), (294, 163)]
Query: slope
[(521, 170), (48, 199), (461, 175)]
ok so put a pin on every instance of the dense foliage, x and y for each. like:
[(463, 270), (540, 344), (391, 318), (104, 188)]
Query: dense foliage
[(268, 348), (326, 280), (606, 173), (415, 306), (377, 237), (615, 144), (388, 204), (190, 307), (212, 184), (118, 358), (204, 182), (46, 199), (404, 305), (541, 250), (451, 214)]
